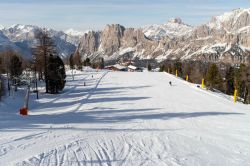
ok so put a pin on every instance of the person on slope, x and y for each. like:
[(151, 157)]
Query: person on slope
[(170, 83)]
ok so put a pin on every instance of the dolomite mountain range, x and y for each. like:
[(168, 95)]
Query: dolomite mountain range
[(225, 38)]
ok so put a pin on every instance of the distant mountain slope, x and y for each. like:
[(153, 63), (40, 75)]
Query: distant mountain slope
[(225, 38), (22, 38), (172, 29)]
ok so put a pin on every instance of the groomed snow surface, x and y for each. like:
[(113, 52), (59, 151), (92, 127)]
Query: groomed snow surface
[(122, 118)]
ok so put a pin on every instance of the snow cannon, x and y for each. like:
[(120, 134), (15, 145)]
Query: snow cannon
[(24, 111)]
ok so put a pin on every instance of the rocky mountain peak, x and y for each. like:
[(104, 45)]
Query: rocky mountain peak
[(174, 28), (175, 20), (231, 21), (114, 29)]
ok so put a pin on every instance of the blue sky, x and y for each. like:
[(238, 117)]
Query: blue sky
[(95, 14)]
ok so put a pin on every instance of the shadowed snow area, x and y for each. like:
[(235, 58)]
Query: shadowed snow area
[(122, 118)]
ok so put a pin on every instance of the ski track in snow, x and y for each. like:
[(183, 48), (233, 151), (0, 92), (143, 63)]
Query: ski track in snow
[(122, 119)]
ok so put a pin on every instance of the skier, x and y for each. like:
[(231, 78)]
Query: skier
[(170, 83)]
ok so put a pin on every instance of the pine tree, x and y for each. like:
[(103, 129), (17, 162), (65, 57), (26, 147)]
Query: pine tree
[(242, 82), (213, 77), (178, 67), (56, 74), (230, 81), (149, 67), (1, 65), (1, 86), (186, 69), (15, 66), (162, 68), (87, 62)]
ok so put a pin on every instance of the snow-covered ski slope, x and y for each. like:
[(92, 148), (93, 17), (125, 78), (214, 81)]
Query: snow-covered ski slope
[(130, 119)]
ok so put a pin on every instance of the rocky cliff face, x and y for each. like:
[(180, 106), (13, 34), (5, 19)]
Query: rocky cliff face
[(90, 43), (116, 41), (225, 38)]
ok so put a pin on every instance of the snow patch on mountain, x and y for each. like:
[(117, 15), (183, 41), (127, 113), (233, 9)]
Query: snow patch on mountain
[(73, 32), (173, 28), (1, 27), (23, 37)]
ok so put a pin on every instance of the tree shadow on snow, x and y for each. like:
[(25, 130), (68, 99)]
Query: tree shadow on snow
[(100, 116)]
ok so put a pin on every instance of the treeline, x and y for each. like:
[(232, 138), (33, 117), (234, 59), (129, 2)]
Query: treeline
[(45, 66), (75, 61), (48, 64), (12, 64), (223, 77)]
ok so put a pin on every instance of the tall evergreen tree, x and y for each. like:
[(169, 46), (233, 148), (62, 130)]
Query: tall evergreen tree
[(1, 86), (230, 81), (242, 82), (178, 67), (162, 68), (15, 66), (149, 67), (56, 74), (213, 77), (87, 62)]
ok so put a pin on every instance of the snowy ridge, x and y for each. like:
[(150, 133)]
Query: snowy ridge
[(23, 37), (73, 32), (1, 27), (219, 22), (173, 28)]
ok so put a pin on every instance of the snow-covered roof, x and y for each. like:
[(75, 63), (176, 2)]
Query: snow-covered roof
[(118, 66), (132, 67)]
